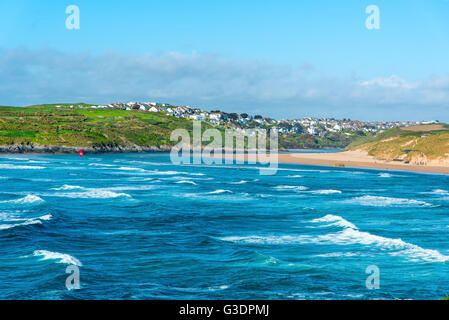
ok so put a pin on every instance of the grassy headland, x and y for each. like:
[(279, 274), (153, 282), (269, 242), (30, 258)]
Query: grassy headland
[(418, 144), (85, 127), (49, 125)]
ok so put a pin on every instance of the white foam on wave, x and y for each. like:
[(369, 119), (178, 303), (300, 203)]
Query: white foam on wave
[(12, 166), (377, 201), (68, 187), (91, 194), (294, 188), (219, 191), (440, 192), (61, 257), (101, 165), (29, 199), (326, 191), (170, 173), (240, 182), (350, 235), (165, 173), (384, 175), (339, 254), (26, 222), (186, 182), (223, 287), (335, 221), (295, 176), (126, 188), (131, 169)]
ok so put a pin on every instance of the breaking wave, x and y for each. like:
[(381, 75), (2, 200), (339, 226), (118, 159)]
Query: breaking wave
[(29, 199), (294, 188), (325, 191), (376, 201), (61, 257), (240, 182), (68, 187), (335, 221), (26, 222), (350, 235), (91, 194), (219, 191), (12, 166), (186, 182)]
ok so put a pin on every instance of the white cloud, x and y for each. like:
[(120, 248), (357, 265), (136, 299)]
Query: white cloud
[(390, 82), (210, 81)]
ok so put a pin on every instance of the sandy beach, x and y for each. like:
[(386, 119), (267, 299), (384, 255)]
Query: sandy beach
[(356, 159)]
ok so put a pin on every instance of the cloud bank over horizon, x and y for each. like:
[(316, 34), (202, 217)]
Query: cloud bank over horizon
[(211, 81)]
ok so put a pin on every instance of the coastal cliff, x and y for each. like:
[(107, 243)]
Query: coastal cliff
[(31, 148)]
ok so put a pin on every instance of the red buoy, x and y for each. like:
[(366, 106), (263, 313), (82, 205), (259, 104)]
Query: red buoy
[(81, 153)]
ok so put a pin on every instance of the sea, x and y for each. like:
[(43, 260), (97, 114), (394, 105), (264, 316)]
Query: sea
[(136, 226)]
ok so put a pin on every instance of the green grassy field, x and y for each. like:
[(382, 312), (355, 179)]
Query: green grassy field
[(407, 144), (48, 125)]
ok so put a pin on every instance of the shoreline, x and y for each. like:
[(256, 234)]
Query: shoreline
[(344, 159), (353, 159)]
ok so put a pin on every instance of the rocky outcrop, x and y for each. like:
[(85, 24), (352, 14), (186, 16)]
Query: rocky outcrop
[(32, 148)]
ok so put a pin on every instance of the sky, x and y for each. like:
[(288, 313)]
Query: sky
[(283, 59)]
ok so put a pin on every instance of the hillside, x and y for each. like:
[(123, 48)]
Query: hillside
[(416, 145), (77, 127), (60, 129)]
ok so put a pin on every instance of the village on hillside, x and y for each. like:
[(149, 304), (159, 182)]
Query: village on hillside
[(242, 122)]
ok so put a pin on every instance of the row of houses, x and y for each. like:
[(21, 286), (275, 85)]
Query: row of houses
[(243, 121)]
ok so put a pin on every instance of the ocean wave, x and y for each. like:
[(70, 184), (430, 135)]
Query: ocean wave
[(131, 169), (339, 254), (186, 182), (170, 173), (91, 194), (350, 235), (61, 257), (26, 222), (384, 175), (29, 199), (12, 166), (68, 187), (294, 188), (295, 176), (335, 221), (440, 192), (126, 188), (325, 191), (240, 182), (218, 288), (219, 191), (19, 159), (376, 201), (101, 165), (165, 173)]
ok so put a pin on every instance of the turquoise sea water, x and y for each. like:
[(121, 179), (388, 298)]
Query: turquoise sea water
[(139, 227)]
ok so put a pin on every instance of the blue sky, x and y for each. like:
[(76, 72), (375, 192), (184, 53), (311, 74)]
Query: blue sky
[(286, 58)]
